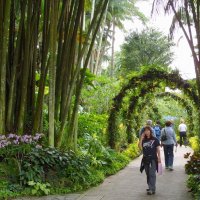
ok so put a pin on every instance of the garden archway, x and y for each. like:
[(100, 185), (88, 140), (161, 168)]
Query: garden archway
[(135, 103), (152, 76), (184, 103)]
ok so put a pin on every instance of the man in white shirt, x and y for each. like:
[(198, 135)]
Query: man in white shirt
[(182, 131)]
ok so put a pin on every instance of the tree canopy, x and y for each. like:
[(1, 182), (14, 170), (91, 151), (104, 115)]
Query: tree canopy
[(149, 47)]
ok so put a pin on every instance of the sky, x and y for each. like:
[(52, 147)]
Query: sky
[(182, 59)]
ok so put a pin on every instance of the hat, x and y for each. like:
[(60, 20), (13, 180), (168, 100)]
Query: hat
[(149, 122)]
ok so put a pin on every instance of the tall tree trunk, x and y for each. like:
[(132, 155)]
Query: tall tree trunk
[(52, 69), (11, 58), (68, 88), (103, 50), (4, 33), (25, 70), (76, 74), (113, 49), (91, 61), (100, 43), (44, 69), (73, 124)]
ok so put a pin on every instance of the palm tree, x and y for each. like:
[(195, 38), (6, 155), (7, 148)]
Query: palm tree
[(121, 11), (187, 17)]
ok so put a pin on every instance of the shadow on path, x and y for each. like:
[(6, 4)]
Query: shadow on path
[(130, 184)]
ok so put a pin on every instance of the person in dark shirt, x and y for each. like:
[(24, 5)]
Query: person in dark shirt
[(150, 147)]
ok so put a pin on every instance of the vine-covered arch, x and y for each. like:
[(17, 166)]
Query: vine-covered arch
[(152, 75), (134, 100), (182, 102), (134, 103)]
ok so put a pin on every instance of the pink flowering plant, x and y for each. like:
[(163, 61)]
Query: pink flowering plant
[(29, 160), (13, 151), (13, 145), (13, 139)]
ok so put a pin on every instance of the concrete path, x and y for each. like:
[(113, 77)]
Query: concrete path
[(130, 184)]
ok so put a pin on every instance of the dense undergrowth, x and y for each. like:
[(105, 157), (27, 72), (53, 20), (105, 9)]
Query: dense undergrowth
[(192, 168), (28, 167)]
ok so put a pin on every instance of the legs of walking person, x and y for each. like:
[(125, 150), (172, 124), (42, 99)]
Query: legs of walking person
[(184, 139), (181, 139), (166, 154), (146, 168), (170, 156), (151, 177)]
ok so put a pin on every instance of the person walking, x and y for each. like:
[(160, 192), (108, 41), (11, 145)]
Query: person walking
[(168, 144), (150, 147), (157, 129), (148, 123), (182, 132)]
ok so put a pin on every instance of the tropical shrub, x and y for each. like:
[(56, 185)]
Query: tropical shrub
[(92, 124), (98, 98), (13, 152), (194, 143), (193, 169), (27, 168), (132, 151), (42, 164), (39, 188), (193, 183), (193, 165)]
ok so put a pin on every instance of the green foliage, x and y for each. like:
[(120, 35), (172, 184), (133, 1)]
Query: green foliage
[(6, 194), (194, 143), (150, 47), (103, 159), (193, 169), (193, 165), (8, 190), (169, 107), (119, 161), (92, 124), (65, 171), (14, 150), (39, 162), (140, 85), (92, 147), (39, 188), (89, 78), (77, 169), (132, 151), (97, 99), (193, 183)]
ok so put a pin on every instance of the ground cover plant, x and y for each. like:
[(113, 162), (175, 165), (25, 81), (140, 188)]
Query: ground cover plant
[(27, 167), (192, 168)]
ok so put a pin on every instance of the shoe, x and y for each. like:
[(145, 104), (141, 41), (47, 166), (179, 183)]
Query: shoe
[(150, 192), (170, 168), (147, 189)]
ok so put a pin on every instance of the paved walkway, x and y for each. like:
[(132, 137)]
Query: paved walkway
[(130, 184)]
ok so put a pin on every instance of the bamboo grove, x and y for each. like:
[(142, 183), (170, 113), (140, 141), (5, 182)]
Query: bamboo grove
[(48, 40)]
